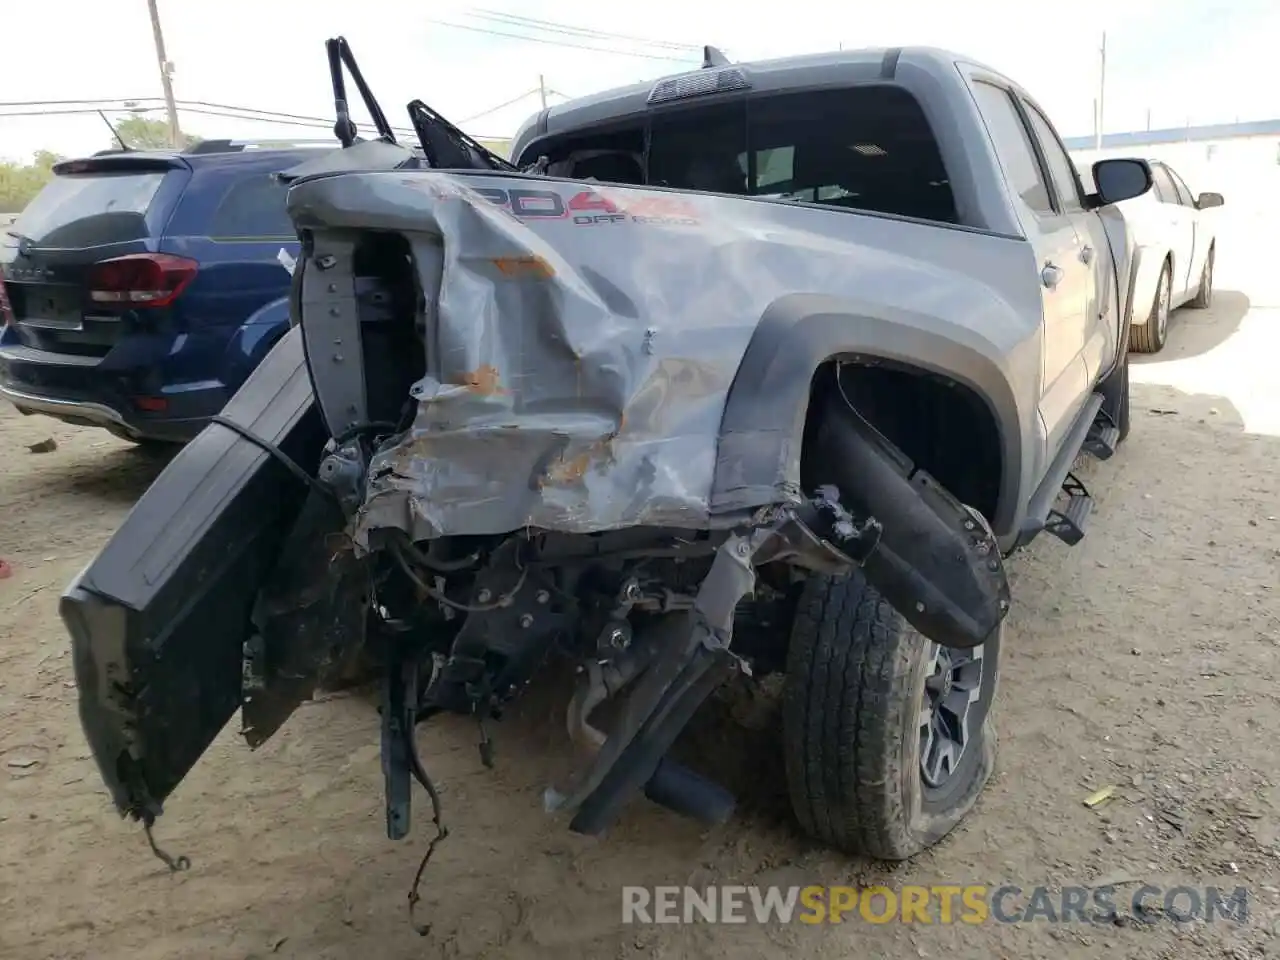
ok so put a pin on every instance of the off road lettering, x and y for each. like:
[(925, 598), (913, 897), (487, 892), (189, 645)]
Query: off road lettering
[(588, 201), (589, 207), (527, 204)]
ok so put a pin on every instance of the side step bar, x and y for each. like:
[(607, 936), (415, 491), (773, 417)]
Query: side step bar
[(1103, 438), (1068, 522)]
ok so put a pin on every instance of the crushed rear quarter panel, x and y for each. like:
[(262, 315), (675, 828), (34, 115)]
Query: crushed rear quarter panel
[(583, 339)]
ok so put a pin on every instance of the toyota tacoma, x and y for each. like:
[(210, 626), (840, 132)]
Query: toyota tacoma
[(764, 367)]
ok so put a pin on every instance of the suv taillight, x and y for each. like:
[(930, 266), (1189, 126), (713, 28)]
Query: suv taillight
[(6, 311), (141, 279)]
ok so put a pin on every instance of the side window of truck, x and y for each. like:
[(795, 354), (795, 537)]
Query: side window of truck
[(1013, 144), (1060, 166)]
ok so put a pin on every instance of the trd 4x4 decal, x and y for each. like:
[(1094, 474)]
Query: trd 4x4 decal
[(590, 207)]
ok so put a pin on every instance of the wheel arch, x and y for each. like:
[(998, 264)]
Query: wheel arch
[(1148, 262), (799, 342)]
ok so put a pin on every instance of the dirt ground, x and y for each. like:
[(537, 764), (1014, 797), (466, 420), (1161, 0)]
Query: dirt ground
[(1144, 658)]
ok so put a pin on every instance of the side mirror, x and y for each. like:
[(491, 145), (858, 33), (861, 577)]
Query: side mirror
[(1207, 200), (1119, 180)]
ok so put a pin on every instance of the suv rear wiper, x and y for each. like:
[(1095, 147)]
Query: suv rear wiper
[(25, 243), (344, 127)]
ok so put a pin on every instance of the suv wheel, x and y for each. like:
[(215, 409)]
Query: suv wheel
[(888, 736)]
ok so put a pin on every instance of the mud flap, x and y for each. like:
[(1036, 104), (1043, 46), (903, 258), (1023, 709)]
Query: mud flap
[(938, 566), (159, 618)]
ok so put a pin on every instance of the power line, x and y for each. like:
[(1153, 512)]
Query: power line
[(191, 106), (316, 123), (64, 103), (551, 26), (509, 103), (560, 43), (234, 113)]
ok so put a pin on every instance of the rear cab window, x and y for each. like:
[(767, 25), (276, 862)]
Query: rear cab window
[(866, 147)]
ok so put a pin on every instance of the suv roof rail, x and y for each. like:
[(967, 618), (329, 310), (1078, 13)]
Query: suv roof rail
[(714, 57), (238, 146)]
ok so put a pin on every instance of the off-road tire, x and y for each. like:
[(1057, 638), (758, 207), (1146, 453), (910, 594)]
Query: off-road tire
[(1204, 295), (1150, 338), (851, 719)]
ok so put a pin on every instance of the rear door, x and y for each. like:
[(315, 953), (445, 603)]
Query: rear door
[(1099, 340), (1200, 235), (234, 222), (1065, 284), (93, 210)]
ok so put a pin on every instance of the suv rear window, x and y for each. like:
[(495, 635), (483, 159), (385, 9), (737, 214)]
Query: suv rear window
[(253, 209), (90, 209)]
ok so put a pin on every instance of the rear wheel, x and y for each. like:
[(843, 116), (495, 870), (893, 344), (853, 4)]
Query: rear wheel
[(1151, 336), (887, 735), (1204, 296)]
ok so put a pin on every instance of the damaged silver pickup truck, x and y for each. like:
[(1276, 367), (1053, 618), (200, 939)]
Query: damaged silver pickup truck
[(764, 367)]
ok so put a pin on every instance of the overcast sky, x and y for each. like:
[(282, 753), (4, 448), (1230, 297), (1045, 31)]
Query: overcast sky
[(1183, 60)]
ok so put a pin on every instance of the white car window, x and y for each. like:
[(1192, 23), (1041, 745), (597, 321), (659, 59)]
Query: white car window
[(1184, 195), (1162, 184)]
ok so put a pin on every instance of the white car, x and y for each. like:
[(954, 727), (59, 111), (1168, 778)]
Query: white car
[(1175, 242)]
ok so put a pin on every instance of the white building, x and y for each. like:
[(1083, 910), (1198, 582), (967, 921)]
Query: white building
[(1228, 158)]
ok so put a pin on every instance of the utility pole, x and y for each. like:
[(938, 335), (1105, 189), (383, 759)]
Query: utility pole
[(1102, 92), (542, 91), (166, 76)]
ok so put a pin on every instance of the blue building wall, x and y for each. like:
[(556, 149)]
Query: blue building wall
[(1142, 138)]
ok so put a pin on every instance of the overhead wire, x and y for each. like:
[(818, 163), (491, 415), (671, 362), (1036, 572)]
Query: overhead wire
[(562, 43), (552, 26), (227, 111)]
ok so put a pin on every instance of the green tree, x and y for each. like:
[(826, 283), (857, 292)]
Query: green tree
[(142, 133), (19, 182)]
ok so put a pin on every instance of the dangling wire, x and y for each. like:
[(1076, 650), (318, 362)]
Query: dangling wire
[(175, 864), (420, 774)]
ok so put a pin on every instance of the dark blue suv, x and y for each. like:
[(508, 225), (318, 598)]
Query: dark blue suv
[(140, 288)]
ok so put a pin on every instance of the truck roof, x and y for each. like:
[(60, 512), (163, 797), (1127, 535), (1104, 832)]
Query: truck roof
[(806, 71)]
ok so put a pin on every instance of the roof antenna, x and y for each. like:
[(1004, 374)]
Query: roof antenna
[(115, 133), (713, 57)]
